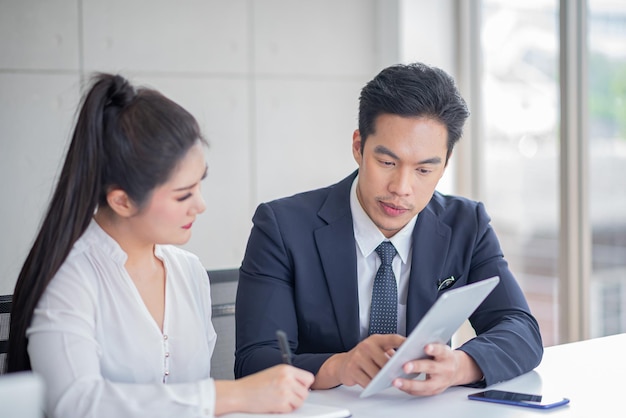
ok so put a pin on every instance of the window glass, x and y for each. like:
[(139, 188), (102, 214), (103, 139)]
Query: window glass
[(607, 164), (519, 40)]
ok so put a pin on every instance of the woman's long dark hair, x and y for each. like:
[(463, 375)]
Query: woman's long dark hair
[(124, 138)]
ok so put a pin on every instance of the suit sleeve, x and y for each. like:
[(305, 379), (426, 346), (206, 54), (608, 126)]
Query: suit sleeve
[(508, 341), (265, 301)]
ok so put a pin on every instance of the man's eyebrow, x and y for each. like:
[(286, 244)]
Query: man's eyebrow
[(433, 160), (180, 189), (381, 149)]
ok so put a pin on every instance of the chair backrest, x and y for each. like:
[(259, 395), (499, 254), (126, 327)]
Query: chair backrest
[(223, 292), (5, 322)]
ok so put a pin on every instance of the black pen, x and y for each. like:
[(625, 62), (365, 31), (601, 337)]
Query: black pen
[(284, 346)]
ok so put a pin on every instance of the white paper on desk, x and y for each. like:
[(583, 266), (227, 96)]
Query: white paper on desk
[(307, 410)]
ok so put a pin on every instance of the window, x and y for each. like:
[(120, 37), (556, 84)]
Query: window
[(607, 164), (519, 42), (522, 156)]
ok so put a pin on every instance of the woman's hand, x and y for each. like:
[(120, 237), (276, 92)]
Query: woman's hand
[(278, 389)]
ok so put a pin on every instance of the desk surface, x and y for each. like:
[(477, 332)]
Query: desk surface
[(590, 373)]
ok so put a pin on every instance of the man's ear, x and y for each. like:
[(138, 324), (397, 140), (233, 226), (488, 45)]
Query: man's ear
[(448, 159), (356, 147), (120, 203)]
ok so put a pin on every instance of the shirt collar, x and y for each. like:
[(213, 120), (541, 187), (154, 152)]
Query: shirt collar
[(367, 234), (95, 235)]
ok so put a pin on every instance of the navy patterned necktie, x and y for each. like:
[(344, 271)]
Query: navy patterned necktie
[(384, 308)]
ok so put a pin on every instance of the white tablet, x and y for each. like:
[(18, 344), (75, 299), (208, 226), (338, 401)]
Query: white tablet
[(442, 320)]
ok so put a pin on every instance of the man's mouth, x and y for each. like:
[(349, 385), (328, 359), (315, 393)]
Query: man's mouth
[(392, 210)]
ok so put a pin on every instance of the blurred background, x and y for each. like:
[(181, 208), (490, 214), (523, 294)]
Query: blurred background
[(275, 85)]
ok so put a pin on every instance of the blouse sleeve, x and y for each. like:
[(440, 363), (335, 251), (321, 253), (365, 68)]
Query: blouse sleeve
[(63, 349)]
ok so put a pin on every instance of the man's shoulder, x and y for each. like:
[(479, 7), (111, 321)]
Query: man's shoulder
[(455, 210), (443, 203)]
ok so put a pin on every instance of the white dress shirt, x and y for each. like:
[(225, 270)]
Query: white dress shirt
[(368, 237), (102, 354)]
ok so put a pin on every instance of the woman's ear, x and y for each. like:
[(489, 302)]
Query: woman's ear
[(120, 203)]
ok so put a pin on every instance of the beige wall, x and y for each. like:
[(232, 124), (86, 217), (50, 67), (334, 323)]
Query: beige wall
[(273, 83)]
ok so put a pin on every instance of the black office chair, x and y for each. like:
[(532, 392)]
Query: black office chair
[(223, 292), (5, 321)]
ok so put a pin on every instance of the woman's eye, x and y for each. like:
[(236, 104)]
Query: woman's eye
[(185, 197)]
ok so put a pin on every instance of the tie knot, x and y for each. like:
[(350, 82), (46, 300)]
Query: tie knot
[(386, 251)]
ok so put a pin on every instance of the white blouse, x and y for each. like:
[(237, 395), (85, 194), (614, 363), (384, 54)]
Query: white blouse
[(102, 354)]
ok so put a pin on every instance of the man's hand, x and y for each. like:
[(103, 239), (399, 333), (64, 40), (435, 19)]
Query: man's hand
[(359, 365), (444, 368)]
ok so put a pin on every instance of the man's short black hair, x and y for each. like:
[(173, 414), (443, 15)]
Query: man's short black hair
[(413, 90)]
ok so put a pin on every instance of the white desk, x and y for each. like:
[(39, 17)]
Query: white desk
[(590, 373)]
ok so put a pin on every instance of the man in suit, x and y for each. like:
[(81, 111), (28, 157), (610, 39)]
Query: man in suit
[(312, 262)]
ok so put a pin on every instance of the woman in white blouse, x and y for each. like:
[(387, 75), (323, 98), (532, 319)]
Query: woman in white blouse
[(115, 318)]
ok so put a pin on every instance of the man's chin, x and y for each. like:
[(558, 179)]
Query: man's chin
[(391, 229)]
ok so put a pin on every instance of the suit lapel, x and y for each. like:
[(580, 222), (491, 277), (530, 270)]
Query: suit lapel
[(431, 239), (337, 250)]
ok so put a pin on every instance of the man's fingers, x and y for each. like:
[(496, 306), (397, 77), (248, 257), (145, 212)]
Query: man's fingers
[(388, 341)]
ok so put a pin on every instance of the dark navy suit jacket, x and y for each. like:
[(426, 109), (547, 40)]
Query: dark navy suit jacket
[(299, 274)]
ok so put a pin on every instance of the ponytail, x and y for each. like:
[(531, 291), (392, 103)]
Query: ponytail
[(76, 197)]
